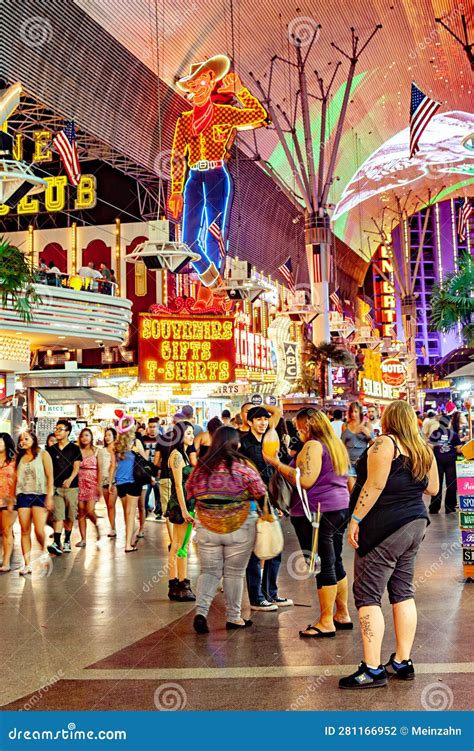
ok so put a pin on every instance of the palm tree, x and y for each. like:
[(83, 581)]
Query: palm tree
[(16, 281), (315, 363), (452, 304)]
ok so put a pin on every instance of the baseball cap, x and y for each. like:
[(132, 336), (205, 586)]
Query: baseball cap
[(255, 412), (187, 410), (431, 413)]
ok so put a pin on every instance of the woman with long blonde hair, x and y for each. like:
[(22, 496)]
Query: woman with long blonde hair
[(128, 490), (322, 466), (387, 525)]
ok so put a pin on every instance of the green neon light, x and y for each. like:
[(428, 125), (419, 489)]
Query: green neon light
[(278, 158)]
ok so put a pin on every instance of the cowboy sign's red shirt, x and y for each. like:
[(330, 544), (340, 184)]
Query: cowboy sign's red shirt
[(214, 142)]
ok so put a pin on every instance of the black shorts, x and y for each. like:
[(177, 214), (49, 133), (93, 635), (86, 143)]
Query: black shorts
[(390, 565), (129, 488)]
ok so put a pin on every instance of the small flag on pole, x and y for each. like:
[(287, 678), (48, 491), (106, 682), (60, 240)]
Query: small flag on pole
[(336, 301), (369, 321), (465, 213), (422, 109), (317, 266), (66, 144), (215, 231), (286, 270)]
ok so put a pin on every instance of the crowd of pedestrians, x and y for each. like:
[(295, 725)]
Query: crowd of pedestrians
[(361, 479)]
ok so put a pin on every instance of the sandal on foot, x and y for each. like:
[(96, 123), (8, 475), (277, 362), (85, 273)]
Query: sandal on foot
[(5, 569), (80, 544), (318, 634), (112, 534), (132, 550), (343, 626)]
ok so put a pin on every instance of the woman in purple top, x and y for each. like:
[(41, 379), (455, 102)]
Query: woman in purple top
[(323, 464)]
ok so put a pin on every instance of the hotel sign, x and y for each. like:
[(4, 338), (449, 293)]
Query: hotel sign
[(186, 350), (393, 372)]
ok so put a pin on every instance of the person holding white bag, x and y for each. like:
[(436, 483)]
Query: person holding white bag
[(319, 475)]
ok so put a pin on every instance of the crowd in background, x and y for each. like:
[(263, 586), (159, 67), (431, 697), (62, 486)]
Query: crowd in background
[(361, 471)]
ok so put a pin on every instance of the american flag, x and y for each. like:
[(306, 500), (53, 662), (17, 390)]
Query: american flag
[(66, 144), (286, 270), (336, 301), (463, 220), (422, 109), (317, 266), (215, 231), (369, 321)]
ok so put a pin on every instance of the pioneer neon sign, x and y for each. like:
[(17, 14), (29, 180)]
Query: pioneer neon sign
[(384, 293)]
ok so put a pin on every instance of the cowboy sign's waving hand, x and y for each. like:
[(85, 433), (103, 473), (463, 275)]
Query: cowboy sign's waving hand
[(231, 84)]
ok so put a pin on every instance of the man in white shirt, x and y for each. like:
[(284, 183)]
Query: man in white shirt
[(337, 422), (90, 271), (430, 423), (373, 422)]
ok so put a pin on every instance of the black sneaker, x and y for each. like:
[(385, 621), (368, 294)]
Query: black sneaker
[(406, 671), (364, 677), (54, 549), (200, 624)]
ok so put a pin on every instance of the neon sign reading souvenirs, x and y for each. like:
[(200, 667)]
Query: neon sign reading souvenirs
[(186, 350)]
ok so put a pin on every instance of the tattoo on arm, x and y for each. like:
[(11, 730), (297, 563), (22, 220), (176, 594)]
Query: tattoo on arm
[(366, 628), (376, 445), (177, 461)]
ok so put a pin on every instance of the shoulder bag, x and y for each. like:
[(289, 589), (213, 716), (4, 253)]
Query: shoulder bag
[(143, 469), (269, 540)]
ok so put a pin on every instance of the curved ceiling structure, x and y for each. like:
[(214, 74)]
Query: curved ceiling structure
[(112, 64), (167, 36)]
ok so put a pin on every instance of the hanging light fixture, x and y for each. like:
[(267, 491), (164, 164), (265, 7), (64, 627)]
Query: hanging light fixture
[(17, 178)]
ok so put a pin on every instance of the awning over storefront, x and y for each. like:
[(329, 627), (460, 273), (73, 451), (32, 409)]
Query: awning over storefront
[(76, 396)]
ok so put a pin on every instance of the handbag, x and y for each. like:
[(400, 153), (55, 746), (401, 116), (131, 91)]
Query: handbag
[(281, 492), (269, 540), (143, 470), (314, 563)]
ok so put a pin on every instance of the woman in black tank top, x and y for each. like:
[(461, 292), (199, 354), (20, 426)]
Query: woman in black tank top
[(388, 523)]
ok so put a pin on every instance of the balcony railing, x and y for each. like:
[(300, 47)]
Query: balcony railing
[(76, 282), (81, 319)]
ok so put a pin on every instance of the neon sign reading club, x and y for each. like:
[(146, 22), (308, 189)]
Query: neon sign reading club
[(55, 194)]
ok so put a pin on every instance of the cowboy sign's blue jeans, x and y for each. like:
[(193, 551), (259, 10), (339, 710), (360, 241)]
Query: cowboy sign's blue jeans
[(206, 199)]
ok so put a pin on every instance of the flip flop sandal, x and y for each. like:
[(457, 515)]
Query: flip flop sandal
[(343, 626), (132, 550), (81, 544), (318, 633), (112, 534)]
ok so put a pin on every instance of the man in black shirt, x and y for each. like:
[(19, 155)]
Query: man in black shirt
[(150, 443), (263, 590), (66, 458), (446, 446)]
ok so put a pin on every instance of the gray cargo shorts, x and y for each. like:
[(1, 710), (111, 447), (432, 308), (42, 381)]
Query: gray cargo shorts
[(390, 565)]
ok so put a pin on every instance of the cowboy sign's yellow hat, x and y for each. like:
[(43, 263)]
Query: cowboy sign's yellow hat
[(219, 65)]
